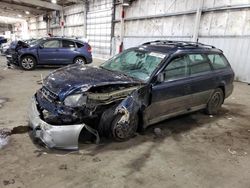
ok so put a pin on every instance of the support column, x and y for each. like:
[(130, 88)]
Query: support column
[(62, 23), (86, 9), (122, 29), (197, 21)]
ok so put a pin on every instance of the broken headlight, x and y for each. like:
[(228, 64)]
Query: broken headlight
[(76, 100)]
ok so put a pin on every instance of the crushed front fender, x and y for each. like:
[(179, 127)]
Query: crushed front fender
[(56, 136)]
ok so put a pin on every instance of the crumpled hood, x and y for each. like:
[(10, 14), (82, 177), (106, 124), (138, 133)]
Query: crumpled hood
[(72, 78)]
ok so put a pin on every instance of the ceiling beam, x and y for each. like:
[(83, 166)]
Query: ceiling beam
[(20, 7), (43, 4), (15, 13)]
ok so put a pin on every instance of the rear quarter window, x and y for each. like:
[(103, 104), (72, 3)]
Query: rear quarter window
[(198, 63), (218, 61), (79, 45)]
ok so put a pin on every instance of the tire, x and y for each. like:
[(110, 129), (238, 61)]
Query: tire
[(80, 60), (28, 62), (215, 102), (124, 131)]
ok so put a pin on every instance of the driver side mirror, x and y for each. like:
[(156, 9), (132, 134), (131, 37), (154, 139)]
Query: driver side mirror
[(160, 77)]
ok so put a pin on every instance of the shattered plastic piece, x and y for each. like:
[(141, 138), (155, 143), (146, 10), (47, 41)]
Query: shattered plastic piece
[(229, 118), (232, 151), (211, 116), (4, 138)]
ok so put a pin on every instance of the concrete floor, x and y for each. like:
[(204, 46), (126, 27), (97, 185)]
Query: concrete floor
[(194, 150)]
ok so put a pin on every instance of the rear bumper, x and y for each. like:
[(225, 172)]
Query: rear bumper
[(55, 136)]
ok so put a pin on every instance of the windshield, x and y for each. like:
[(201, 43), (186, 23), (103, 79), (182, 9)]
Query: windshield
[(35, 42), (135, 63)]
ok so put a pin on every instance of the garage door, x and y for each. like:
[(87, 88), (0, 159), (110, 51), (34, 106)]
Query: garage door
[(99, 21)]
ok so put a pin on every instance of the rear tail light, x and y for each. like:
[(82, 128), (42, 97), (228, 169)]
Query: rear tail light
[(89, 49)]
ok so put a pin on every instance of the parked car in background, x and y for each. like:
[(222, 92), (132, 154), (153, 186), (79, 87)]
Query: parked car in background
[(4, 47), (49, 51), (136, 88), (2, 40)]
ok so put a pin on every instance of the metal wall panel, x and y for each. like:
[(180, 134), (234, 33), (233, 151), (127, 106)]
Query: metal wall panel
[(237, 51)]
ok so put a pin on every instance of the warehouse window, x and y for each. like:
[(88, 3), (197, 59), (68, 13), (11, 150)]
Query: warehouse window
[(52, 44), (68, 44), (198, 63), (218, 61)]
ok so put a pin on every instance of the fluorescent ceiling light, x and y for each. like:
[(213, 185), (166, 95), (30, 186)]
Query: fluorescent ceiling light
[(19, 15), (53, 1), (27, 12)]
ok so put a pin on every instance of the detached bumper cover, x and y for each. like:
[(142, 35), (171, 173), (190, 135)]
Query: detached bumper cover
[(54, 136)]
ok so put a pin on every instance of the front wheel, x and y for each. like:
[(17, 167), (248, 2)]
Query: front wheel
[(215, 102), (28, 63), (123, 130), (80, 60)]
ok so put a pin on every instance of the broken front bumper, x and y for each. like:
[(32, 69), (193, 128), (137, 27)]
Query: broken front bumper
[(55, 136)]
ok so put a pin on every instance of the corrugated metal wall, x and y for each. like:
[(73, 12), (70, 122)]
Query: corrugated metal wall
[(99, 23), (228, 29), (37, 27)]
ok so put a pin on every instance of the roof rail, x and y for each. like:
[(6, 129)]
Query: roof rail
[(179, 43)]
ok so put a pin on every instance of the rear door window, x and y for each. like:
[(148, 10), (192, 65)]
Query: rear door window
[(198, 63), (68, 44), (176, 69), (218, 61)]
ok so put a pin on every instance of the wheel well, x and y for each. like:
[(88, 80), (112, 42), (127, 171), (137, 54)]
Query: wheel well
[(28, 55), (223, 89), (81, 57)]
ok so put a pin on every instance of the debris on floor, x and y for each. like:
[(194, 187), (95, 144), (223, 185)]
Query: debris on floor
[(8, 182), (63, 167), (238, 152), (39, 82), (2, 101), (4, 137), (96, 159), (158, 132)]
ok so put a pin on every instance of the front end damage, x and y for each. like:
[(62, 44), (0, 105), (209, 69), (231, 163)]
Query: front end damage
[(60, 126), (55, 136)]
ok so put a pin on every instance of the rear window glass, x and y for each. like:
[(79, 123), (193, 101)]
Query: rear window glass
[(218, 61), (198, 63), (79, 45)]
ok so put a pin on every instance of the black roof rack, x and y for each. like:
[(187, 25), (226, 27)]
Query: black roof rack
[(178, 44)]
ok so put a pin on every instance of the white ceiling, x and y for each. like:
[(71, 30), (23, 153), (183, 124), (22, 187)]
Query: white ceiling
[(10, 20)]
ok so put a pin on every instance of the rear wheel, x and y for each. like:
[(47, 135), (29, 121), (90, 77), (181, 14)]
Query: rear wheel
[(28, 62), (80, 60), (215, 102), (122, 130)]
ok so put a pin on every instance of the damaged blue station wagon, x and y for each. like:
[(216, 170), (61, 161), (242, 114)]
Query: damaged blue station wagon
[(134, 89)]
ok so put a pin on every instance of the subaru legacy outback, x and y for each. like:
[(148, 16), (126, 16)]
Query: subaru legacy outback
[(136, 88)]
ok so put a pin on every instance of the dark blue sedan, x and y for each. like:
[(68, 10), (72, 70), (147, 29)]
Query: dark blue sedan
[(49, 51)]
